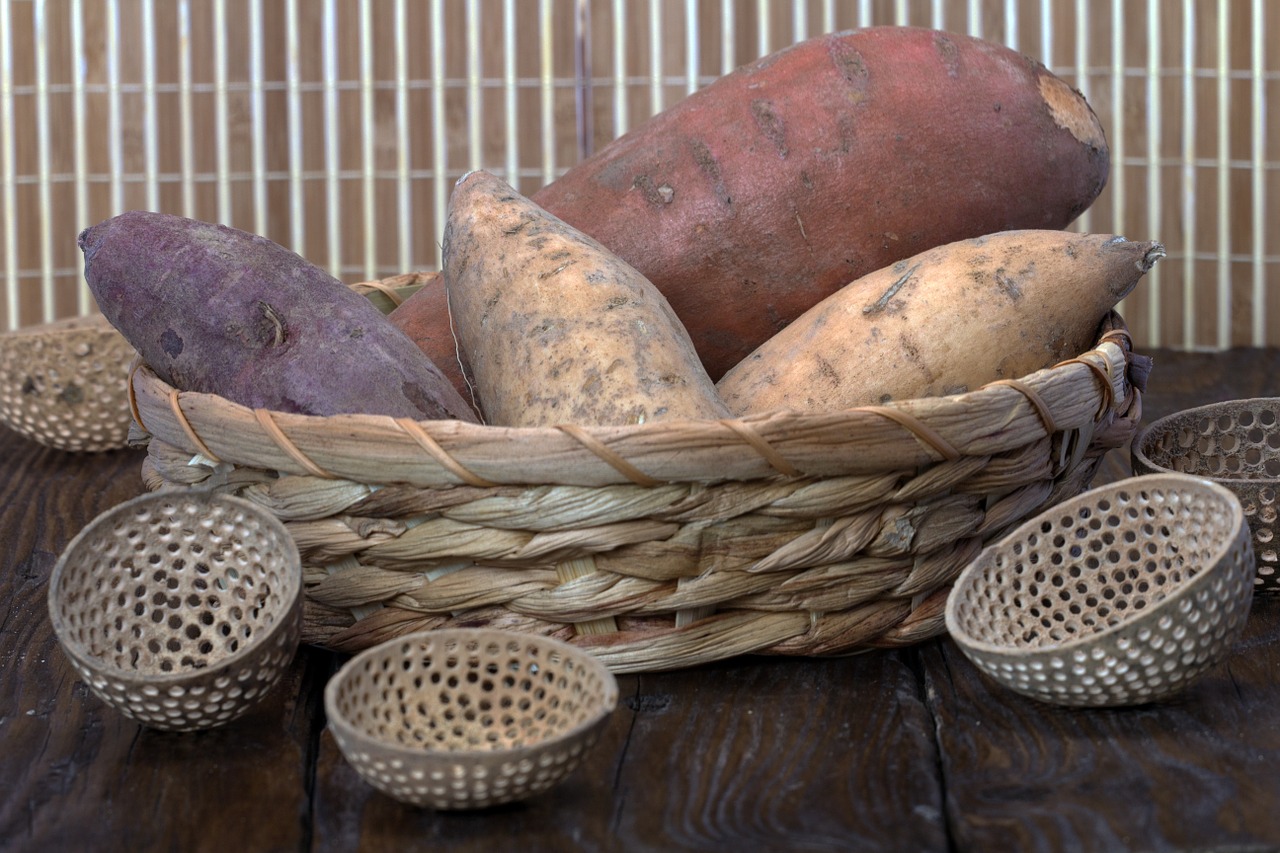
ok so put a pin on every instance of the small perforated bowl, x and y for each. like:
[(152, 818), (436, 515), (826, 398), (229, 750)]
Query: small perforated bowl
[(65, 384), (179, 609), (468, 718), (1236, 444), (1120, 596)]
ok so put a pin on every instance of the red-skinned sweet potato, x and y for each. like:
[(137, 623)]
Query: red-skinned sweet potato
[(424, 317), (217, 310), (757, 196)]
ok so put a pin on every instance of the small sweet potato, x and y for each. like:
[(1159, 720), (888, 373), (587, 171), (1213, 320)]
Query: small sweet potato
[(757, 196), (947, 320), (556, 327), (222, 311)]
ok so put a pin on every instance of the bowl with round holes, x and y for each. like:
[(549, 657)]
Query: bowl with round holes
[(1122, 595), (466, 718), (65, 384), (1235, 443), (181, 609)]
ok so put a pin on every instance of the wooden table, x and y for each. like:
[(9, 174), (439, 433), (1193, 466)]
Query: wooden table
[(896, 750)]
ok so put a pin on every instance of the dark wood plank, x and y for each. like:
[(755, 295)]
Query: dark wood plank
[(1182, 380), (784, 754), (74, 774), (1196, 772), (757, 754)]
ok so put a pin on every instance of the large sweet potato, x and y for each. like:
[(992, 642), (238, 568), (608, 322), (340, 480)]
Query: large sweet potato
[(945, 321), (218, 310), (755, 197), (556, 327)]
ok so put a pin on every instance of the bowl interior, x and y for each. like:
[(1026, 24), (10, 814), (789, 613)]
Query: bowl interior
[(1094, 562), (172, 583), (1236, 440), (471, 692)]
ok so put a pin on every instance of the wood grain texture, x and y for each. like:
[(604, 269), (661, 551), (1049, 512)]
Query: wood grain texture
[(910, 749), (75, 774), (782, 755), (1195, 772)]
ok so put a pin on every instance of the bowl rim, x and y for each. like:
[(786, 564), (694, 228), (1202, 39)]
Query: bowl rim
[(335, 719), (966, 640), (1137, 447), (92, 662)]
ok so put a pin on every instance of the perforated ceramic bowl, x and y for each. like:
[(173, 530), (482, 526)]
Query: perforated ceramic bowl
[(1122, 595), (467, 718), (179, 609), (64, 384), (1237, 444)]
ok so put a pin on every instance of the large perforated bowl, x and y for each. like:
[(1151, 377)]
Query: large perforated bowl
[(1122, 595), (65, 384), (467, 718), (179, 609), (1237, 444)]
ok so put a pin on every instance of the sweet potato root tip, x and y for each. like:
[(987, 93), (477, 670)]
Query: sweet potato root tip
[(1150, 257)]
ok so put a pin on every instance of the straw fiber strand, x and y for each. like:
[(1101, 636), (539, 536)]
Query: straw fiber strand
[(791, 533)]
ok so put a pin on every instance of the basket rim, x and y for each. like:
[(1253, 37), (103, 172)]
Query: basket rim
[(1136, 618), (1076, 394), (259, 641), (608, 703), (1160, 425)]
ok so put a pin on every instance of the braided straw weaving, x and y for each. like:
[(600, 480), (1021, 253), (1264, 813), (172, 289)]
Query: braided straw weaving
[(661, 545)]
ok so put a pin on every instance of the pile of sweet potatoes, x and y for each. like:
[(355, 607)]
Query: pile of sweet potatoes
[(864, 216)]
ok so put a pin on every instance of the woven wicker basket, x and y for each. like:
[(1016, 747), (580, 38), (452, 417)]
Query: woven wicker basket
[(661, 545)]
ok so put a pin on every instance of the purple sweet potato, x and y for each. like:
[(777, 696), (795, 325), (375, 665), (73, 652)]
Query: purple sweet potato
[(221, 311), (754, 198)]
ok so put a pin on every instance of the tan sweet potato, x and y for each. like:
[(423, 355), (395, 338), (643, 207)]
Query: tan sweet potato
[(222, 311), (947, 320), (757, 196), (556, 327)]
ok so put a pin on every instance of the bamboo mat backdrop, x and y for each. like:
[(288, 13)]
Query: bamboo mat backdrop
[(337, 127)]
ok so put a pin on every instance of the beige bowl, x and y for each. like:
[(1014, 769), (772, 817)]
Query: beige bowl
[(179, 609), (1122, 595), (468, 718), (1236, 444), (65, 384)]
